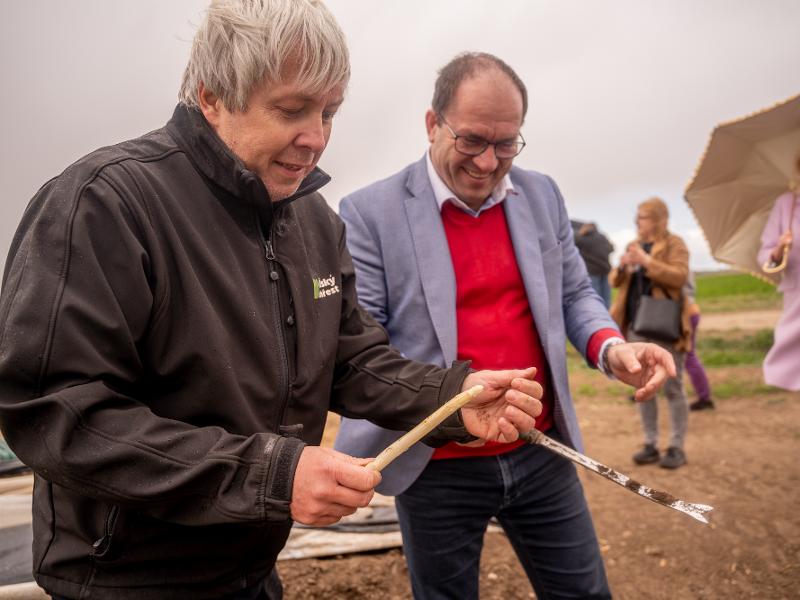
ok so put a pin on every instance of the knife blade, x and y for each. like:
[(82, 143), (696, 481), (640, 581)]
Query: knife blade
[(696, 511)]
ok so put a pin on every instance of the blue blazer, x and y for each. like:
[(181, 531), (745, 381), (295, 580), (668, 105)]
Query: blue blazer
[(405, 280)]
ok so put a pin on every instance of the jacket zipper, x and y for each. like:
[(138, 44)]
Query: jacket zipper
[(101, 547), (274, 276)]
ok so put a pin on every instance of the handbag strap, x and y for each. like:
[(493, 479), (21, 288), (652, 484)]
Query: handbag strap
[(639, 277), (639, 274)]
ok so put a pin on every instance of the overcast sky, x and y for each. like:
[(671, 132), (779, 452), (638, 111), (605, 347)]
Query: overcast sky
[(623, 94)]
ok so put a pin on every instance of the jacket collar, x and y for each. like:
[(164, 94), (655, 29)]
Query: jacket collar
[(215, 161)]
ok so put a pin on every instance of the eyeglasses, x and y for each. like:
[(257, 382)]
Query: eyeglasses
[(472, 145)]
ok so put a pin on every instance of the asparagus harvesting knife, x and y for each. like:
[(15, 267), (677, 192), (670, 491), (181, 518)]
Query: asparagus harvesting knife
[(696, 511)]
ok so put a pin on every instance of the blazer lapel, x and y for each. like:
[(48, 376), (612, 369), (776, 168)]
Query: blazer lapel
[(433, 259), (525, 237)]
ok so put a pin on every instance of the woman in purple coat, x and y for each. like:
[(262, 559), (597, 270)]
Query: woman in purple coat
[(781, 364)]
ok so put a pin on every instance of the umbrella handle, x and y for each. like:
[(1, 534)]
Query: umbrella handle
[(770, 267)]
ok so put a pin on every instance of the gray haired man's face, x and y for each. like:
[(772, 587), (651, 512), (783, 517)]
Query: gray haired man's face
[(281, 135)]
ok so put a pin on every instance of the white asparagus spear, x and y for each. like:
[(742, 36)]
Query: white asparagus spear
[(392, 451)]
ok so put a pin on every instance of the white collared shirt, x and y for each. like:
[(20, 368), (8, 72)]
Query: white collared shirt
[(442, 193)]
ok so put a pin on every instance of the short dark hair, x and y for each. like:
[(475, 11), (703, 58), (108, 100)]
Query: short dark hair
[(464, 66)]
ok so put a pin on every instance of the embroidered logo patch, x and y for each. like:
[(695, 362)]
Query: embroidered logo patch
[(324, 286)]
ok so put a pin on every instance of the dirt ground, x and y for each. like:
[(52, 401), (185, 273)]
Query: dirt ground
[(744, 459)]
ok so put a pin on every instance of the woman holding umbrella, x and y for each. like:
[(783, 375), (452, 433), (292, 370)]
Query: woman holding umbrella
[(656, 265), (778, 253), (747, 163)]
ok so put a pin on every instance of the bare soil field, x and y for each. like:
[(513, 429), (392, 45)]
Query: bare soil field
[(744, 459)]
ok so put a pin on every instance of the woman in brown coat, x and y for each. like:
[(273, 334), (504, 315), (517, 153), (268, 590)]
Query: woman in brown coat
[(656, 264)]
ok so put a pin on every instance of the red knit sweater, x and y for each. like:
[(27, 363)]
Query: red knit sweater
[(495, 325), (493, 316)]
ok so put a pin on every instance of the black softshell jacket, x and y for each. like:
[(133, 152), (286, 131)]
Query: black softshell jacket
[(169, 341)]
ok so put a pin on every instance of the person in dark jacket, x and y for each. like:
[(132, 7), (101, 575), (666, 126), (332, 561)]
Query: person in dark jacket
[(178, 314), (595, 249)]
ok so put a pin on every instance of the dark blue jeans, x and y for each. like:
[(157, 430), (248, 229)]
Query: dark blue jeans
[(537, 498)]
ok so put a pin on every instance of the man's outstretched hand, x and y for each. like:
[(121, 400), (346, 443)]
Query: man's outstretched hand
[(643, 365), (509, 403)]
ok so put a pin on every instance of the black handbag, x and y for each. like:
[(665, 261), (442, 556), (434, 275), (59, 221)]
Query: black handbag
[(657, 318)]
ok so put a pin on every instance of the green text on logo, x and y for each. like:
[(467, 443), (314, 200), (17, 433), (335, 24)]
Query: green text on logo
[(324, 286)]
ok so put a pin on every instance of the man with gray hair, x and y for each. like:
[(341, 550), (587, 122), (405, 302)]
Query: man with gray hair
[(179, 313)]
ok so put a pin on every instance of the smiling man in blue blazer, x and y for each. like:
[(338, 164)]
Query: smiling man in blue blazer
[(463, 256)]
